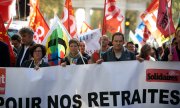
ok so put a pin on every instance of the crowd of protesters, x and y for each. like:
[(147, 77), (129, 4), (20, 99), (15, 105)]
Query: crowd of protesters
[(29, 54)]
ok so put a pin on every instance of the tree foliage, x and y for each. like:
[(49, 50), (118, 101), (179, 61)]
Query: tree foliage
[(176, 10), (51, 7), (96, 18)]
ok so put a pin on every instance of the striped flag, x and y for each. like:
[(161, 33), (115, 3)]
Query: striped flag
[(56, 42), (139, 33)]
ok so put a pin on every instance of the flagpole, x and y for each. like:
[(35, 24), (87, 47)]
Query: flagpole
[(102, 29), (68, 20), (25, 10), (169, 29), (18, 10), (81, 57), (104, 17)]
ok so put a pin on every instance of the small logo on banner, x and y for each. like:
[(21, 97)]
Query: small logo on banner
[(163, 75), (2, 80)]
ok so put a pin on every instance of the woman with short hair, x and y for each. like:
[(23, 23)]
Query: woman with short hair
[(145, 53), (37, 52)]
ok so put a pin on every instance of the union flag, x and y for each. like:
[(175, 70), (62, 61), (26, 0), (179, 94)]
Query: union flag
[(112, 17), (164, 18), (68, 19), (39, 26), (149, 17)]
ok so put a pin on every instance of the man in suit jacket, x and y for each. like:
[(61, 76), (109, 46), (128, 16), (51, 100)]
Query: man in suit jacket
[(5, 55), (27, 41)]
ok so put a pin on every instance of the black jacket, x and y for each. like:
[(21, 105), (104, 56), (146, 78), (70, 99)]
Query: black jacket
[(26, 56), (5, 55), (78, 61), (30, 64)]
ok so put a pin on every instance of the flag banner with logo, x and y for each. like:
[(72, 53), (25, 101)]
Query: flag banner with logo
[(112, 17), (91, 39), (56, 42), (164, 18), (112, 84), (39, 26), (149, 18), (68, 19)]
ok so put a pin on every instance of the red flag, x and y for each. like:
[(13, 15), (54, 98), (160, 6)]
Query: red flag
[(164, 18), (85, 27), (5, 10), (149, 18), (112, 17), (68, 19), (39, 26), (4, 37)]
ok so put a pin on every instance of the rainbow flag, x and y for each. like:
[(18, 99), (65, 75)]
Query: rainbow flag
[(56, 42)]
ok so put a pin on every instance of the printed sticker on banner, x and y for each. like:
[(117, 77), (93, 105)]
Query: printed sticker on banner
[(163, 75), (2, 80)]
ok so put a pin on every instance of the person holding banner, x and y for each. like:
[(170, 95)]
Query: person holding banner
[(117, 52), (37, 52), (74, 56)]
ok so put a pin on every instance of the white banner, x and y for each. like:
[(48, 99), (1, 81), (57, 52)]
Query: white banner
[(92, 40), (127, 84)]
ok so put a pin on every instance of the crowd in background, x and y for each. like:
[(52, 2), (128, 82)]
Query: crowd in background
[(29, 54)]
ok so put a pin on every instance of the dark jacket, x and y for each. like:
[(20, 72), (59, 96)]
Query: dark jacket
[(86, 56), (30, 64), (126, 55), (77, 60), (5, 55), (26, 56)]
